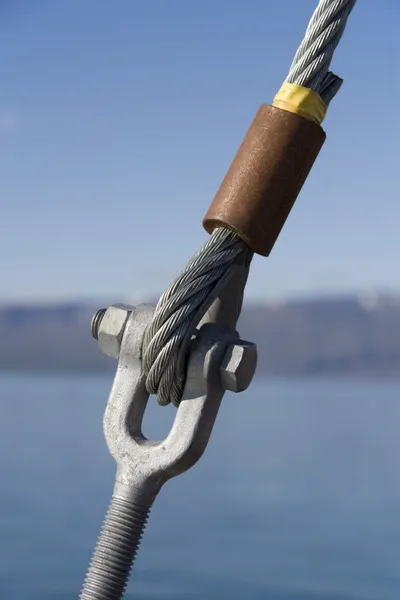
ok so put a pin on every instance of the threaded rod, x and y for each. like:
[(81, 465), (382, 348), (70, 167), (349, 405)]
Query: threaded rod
[(95, 324), (116, 550)]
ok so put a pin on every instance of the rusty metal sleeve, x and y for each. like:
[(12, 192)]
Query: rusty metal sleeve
[(265, 178)]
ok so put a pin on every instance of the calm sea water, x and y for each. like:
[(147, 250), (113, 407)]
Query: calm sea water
[(296, 498)]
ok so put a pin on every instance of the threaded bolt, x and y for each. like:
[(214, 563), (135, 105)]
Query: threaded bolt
[(95, 324), (116, 550)]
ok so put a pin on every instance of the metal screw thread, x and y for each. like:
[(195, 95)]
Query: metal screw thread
[(116, 550), (96, 322)]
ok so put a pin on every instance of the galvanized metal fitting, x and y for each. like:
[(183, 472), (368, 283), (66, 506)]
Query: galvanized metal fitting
[(108, 326), (238, 366), (218, 360), (145, 465)]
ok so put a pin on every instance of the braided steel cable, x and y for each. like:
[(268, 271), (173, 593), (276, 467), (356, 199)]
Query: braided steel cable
[(310, 66), (182, 306)]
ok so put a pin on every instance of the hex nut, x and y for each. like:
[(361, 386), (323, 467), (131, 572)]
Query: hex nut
[(112, 327), (238, 366)]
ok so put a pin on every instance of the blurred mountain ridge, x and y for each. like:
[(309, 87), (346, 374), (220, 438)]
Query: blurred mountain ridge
[(354, 335)]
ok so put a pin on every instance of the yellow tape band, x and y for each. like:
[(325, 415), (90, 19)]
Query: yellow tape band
[(301, 101)]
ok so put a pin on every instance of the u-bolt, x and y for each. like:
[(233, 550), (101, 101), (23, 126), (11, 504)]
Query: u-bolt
[(218, 361)]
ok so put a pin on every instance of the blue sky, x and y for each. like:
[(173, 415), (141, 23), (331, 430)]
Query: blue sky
[(118, 122)]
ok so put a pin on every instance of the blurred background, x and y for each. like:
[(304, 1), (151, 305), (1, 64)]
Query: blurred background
[(117, 125)]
